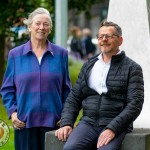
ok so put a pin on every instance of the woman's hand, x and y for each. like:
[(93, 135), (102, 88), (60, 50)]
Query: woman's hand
[(16, 122), (63, 133)]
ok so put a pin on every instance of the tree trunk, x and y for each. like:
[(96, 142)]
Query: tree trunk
[(2, 60)]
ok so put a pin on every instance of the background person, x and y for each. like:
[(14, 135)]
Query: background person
[(110, 89), (36, 84), (90, 48), (76, 43)]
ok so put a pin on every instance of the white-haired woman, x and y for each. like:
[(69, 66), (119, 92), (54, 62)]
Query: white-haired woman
[(36, 84)]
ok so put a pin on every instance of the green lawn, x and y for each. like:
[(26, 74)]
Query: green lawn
[(10, 144), (3, 116)]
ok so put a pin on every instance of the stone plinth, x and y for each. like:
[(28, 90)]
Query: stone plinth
[(139, 139), (52, 142), (133, 16)]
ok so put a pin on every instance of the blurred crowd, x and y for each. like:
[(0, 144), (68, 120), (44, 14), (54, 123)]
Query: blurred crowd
[(80, 43)]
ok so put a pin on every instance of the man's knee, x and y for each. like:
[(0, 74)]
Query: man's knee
[(70, 146)]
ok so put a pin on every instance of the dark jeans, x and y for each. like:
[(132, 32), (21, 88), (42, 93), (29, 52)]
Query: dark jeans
[(85, 136), (30, 139)]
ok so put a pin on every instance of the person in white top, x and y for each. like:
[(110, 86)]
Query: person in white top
[(110, 90)]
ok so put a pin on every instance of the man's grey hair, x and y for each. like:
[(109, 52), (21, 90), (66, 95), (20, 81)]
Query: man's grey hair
[(37, 11), (109, 23)]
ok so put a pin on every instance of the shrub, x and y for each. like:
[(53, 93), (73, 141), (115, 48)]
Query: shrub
[(74, 69)]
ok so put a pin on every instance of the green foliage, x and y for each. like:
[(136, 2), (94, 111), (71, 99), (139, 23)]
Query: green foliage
[(74, 69), (12, 14), (82, 5)]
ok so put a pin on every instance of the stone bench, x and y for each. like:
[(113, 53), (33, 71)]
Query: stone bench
[(139, 139)]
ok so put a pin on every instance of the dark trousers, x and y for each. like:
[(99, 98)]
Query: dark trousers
[(30, 139), (85, 136)]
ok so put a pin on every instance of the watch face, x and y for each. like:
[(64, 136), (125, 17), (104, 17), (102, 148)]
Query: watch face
[(4, 133)]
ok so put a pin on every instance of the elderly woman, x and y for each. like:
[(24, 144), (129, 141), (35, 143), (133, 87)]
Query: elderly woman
[(36, 84)]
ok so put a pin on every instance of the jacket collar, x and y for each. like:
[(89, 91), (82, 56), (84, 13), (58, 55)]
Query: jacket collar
[(118, 58), (27, 47)]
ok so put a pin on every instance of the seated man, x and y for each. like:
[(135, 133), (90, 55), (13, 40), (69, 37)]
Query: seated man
[(110, 90)]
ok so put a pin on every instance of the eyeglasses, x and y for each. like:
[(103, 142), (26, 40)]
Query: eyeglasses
[(107, 36)]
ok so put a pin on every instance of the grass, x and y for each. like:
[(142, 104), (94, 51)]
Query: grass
[(3, 116), (10, 144)]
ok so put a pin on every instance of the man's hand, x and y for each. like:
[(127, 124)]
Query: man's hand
[(105, 137), (63, 133), (16, 122)]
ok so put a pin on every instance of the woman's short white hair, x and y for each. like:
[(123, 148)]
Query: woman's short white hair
[(37, 11)]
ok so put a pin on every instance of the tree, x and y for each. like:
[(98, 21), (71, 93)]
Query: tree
[(12, 13), (82, 5)]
